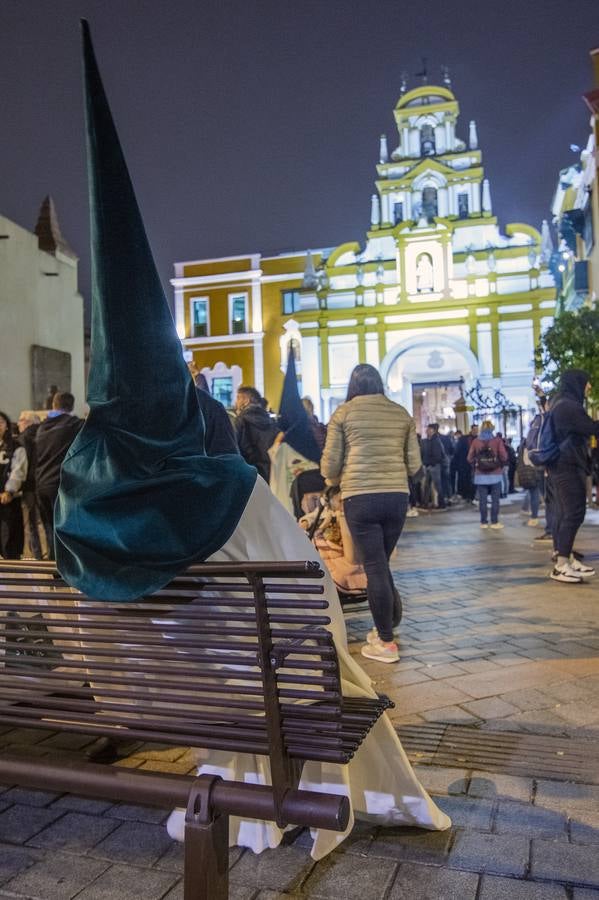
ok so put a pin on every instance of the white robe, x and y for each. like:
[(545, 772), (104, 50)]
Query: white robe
[(379, 780)]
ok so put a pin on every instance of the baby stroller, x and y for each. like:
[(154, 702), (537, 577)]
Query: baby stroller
[(319, 513)]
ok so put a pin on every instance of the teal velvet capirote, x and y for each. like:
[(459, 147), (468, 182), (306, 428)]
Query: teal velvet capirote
[(139, 500)]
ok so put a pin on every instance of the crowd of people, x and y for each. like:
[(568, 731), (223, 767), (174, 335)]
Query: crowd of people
[(371, 447), (31, 456)]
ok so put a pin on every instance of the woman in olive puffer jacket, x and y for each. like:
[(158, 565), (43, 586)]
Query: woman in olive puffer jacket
[(370, 451)]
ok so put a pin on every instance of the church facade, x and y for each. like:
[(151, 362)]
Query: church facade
[(435, 294)]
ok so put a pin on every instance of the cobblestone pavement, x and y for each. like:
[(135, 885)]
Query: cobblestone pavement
[(487, 641)]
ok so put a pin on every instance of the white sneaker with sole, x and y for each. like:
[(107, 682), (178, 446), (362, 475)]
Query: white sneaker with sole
[(497, 526), (532, 523), (483, 525), (386, 653), (580, 568), (412, 513), (566, 574)]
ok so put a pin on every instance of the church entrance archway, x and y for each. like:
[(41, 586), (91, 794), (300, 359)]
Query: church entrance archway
[(425, 373)]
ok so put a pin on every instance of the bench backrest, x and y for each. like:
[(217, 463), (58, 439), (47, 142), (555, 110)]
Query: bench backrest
[(228, 656)]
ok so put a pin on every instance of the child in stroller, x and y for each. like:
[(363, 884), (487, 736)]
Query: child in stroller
[(319, 512)]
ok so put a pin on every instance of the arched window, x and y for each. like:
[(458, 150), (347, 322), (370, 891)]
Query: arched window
[(427, 141), (429, 203)]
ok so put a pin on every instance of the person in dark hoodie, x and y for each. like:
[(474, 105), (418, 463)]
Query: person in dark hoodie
[(54, 437), (219, 435), (256, 430), (567, 476)]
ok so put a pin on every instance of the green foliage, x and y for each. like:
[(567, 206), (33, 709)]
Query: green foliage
[(572, 342)]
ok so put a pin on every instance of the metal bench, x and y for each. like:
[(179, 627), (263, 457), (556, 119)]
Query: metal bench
[(228, 656)]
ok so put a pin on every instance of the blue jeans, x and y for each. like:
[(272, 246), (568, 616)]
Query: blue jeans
[(432, 478), (535, 497), (376, 522), (484, 490)]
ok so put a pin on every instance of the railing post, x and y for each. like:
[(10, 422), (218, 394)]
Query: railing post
[(206, 872)]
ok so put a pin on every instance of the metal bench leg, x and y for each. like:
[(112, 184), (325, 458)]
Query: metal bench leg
[(206, 874)]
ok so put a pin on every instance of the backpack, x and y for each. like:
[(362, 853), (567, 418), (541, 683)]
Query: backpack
[(541, 442), (487, 460), (527, 474)]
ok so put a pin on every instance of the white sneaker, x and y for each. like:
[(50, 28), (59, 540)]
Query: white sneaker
[(497, 526), (483, 525), (566, 574), (533, 523), (580, 568), (412, 513), (386, 653), (372, 636)]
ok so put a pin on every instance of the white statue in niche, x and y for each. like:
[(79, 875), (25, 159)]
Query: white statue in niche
[(424, 273)]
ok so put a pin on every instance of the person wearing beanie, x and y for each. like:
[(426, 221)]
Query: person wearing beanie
[(488, 456), (567, 475), (140, 500)]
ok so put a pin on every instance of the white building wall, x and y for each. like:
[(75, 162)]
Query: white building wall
[(36, 308), (343, 356), (311, 369), (485, 348), (516, 346)]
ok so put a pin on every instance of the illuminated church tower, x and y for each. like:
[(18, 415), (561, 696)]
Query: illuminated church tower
[(436, 295)]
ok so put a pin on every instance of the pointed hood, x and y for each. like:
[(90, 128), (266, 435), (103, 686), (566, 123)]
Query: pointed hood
[(293, 418), (139, 500)]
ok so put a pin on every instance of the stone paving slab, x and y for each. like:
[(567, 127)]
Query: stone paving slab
[(74, 832), (572, 863), (342, 875), (127, 883), (285, 868), (494, 888), (498, 854), (56, 877)]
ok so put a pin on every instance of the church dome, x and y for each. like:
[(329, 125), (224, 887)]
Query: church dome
[(426, 95)]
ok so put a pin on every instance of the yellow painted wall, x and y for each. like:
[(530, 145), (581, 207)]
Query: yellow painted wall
[(231, 356), (218, 267)]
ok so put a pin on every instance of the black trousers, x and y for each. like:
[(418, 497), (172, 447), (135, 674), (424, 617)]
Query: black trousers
[(376, 522), (45, 505), (11, 530), (568, 486)]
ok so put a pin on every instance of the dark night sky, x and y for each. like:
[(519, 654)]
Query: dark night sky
[(253, 125)]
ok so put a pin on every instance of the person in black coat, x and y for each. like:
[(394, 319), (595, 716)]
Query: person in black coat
[(52, 441), (433, 460), (256, 430), (466, 488), (567, 476), (28, 425)]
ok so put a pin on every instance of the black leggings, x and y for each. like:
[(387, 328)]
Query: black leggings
[(375, 522), (11, 529), (569, 492)]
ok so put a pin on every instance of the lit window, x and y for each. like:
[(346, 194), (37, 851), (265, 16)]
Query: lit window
[(290, 302), (222, 390), (199, 317), (238, 314)]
